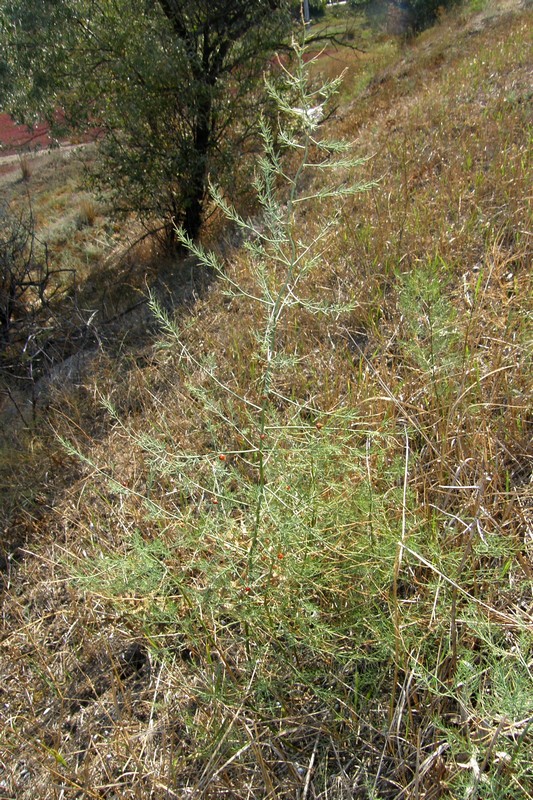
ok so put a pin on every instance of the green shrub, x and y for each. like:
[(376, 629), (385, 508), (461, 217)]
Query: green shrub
[(422, 13), (403, 16)]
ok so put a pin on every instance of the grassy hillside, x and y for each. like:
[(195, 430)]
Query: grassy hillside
[(268, 534)]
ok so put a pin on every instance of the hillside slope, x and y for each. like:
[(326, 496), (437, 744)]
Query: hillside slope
[(366, 632)]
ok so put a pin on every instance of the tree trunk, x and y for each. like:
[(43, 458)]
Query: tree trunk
[(195, 198)]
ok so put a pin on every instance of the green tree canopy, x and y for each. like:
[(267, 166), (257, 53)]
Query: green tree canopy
[(172, 84)]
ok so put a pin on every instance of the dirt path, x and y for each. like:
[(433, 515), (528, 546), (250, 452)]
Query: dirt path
[(20, 142), (10, 164)]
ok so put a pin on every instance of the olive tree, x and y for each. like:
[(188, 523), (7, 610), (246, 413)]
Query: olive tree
[(171, 85)]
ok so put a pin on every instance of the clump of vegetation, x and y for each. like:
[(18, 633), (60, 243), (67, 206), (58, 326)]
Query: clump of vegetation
[(422, 13), (27, 286), (25, 167), (88, 212), (404, 17)]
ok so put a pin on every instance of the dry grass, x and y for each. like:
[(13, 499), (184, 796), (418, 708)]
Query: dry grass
[(415, 408), (25, 168)]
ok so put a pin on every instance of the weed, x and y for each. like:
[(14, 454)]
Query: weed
[(87, 213), (25, 167)]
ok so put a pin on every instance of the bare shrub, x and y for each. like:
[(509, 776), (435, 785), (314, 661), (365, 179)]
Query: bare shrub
[(27, 286), (24, 274)]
